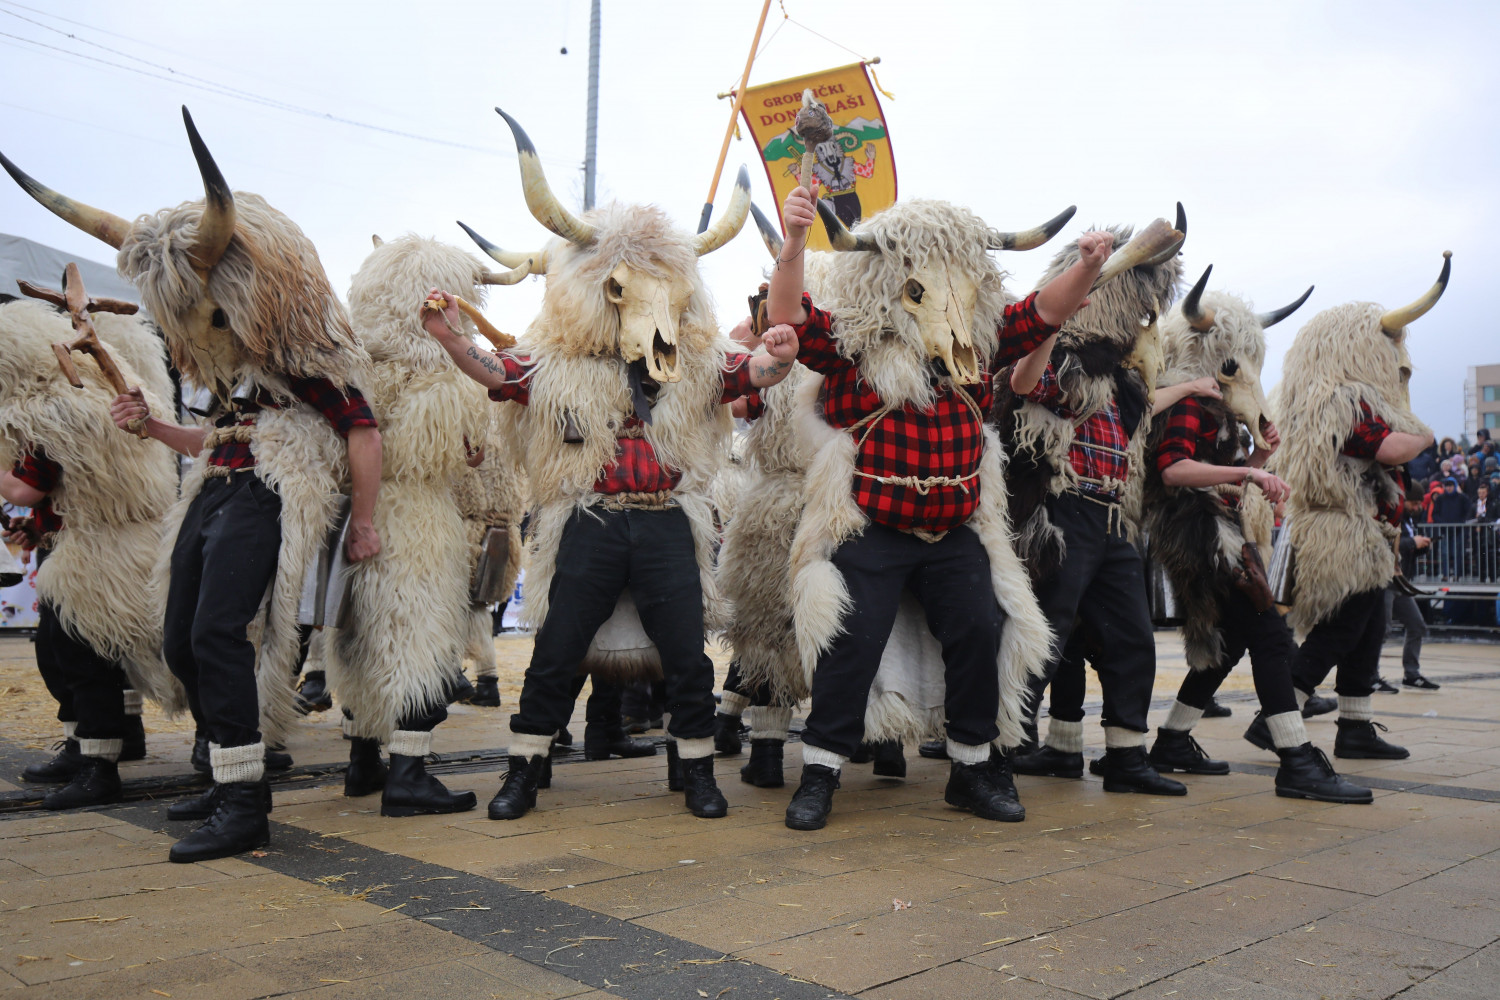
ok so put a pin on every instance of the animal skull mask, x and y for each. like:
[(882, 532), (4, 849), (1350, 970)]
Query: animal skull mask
[(649, 308)]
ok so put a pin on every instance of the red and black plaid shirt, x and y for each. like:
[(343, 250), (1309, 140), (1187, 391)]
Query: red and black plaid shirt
[(1363, 442), (636, 469), (345, 410), (945, 440), (1191, 431), (1099, 442), (39, 472)]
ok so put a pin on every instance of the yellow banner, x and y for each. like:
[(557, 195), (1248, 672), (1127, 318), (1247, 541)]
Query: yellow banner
[(855, 168)]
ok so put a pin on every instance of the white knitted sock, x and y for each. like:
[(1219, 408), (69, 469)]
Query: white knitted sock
[(410, 743), (693, 749), (530, 745), (963, 753), (1357, 709), (817, 755), (107, 749), (733, 703), (133, 702), (233, 764), (1302, 697), (1117, 737), (1287, 729), (1065, 736), (770, 723), (69, 729), (349, 728), (1182, 718)]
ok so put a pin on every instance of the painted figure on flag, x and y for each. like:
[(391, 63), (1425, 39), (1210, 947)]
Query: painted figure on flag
[(838, 169)]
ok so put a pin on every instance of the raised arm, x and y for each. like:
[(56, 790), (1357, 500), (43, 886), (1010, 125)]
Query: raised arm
[(784, 300), (1058, 300), (480, 365), (132, 406)]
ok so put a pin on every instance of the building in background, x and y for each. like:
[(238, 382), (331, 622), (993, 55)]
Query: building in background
[(1482, 399)]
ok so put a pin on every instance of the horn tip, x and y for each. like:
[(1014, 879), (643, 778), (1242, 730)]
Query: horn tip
[(523, 141), (742, 180)]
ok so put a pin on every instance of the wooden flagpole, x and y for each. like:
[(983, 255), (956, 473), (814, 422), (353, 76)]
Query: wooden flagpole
[(734, 114)]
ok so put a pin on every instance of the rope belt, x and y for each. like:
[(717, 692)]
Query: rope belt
[(239, 433), (224, 471), (660, 500), (1114, 520), (922, 486)]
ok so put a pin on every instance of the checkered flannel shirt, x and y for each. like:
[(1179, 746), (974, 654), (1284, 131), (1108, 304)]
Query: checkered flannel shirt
[(946, 440), (1191, 431), (1363, 442), (636, 469), (39, 472), (1099, 441), (344, 410)]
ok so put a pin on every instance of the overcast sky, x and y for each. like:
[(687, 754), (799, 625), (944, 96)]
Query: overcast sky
[(1339, 144)]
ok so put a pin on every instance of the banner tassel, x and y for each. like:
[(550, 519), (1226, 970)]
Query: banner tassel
[(876, 81)]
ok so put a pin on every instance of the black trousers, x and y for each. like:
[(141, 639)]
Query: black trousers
[(1349, 639), (1268, 640), (951, 579), (89, 688), (1101, 584), (759, 694), (1066, 704), (603, 552), (223, 561), (1403, 607)]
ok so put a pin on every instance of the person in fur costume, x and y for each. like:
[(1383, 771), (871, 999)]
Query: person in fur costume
[(624, 378), (393, 664), (97, 506), (1209, 514), (903, 500), (1072, 434), (248, 314), (1348, 427)]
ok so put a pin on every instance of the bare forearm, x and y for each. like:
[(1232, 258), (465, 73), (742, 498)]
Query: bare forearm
[(183, 440), (784, 299), (1064, 295), (1168, 396), (767, 371), (1028, 371), (364, 473), (1399, 448), (1194, 473), (475, 362), (19, 493)]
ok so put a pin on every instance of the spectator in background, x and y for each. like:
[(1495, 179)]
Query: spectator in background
[(1472, 478), (1448, 448), (1445, 469), (1401, 606), (1424, 467), (1486, 542), (1481, 438), (1450, 507)]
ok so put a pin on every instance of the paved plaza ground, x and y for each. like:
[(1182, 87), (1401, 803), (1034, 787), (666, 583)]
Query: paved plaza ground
[(610, 889)]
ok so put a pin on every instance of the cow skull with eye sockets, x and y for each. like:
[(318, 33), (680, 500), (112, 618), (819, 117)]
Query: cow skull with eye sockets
[(648, 301), (1220, 335)]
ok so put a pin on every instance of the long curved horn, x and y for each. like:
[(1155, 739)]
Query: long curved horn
[(539, 197), (217, 225), (1269, 319), (1393, 321), (769, 234), (838, 236), (510, 277), (1192, 306), (733, 220), (1156, 243), (1172, 249), (510, 258), (1030, 239), (96, 222)]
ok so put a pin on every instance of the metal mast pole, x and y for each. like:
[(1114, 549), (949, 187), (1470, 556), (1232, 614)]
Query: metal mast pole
[(591, 139)]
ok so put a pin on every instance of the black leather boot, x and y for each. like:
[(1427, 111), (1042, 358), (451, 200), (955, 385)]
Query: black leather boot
[(366, 773), (411, 791), (1031, 738), (134, 745), (459, 689), (700, 790), (200, 759), (1175, 750), (64, 764), (1305, 773), (674, 767), (933, 749), (1214, 710), (1259, 733), (1126, 769), (1318, 705), (238, 824), (96, 782), (202, 805), (517, 795), (765, 768), (1358, 739), (889, 759), (615, 745), (864, 753), (1048, 762), (486, 692), (603, 734), (728, 735), (987, 790), (813, 799), (313, 694), (544, 776), (277, 759)]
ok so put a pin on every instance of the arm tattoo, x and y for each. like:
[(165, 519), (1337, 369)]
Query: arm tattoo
[(489, 361), (771, 370)]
